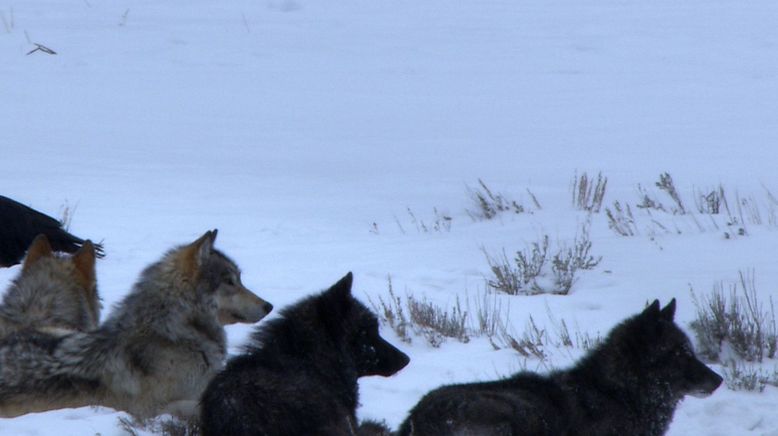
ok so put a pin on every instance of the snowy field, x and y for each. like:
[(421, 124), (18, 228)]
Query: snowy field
[(305, 130)]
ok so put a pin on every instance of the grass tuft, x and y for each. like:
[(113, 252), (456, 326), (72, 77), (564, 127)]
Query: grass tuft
[(532, 271), (588, 193)]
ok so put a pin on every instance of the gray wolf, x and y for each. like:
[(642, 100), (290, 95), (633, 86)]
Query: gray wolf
[(20, 224), (154, 354), (629, 385), (298, 374), (52, 292)]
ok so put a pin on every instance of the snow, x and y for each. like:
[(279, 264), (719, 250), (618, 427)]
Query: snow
[(294, 125)]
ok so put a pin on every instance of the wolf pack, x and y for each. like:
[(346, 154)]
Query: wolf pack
[(163, 350)]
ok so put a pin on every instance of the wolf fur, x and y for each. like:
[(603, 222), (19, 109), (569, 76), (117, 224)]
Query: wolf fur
[(20, 224), (155, 353), (629, 385), (52, 292), (298, 375), (373, 428)]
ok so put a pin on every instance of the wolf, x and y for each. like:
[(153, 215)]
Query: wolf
[(298, 374), (629, 385), (52, 292), (154, 354), (20, 224)]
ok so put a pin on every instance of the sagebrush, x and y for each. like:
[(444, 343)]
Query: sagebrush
[(488, 204), (534, 271), (423, 318), (732, 323), (588, 192)]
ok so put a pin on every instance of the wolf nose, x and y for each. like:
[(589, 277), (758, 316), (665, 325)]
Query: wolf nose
[(268, 307), (404, 360), (717, 380)]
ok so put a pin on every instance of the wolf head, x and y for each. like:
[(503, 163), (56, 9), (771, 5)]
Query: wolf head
[(57, 291), (660, 354), (213, 272), (674, 358), (349, 322)]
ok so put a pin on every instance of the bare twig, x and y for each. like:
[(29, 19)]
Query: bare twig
[(43, 48), (124, 18)]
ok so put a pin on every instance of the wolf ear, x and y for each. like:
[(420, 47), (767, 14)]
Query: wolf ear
[(84, 261), (652, 311), (39, 249), (342, 289), (335, 302), (203, 246), (198, 252), (668, 313)]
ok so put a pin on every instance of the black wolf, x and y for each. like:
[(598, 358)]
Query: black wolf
[(298, 375), (19, 225), (629, 385)]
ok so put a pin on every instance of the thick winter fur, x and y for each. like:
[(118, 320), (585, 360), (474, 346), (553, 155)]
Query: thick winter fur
[(19, 225), (298, 376), (155, 353), (629, 385), (52, 292), (373, 428)]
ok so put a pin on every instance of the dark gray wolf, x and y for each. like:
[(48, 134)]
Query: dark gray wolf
[(19, 225), (155, 353), (298, 375), (629, 385), (52, 292)]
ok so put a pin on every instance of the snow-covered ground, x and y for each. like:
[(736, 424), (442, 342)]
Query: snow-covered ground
[(304, 130)]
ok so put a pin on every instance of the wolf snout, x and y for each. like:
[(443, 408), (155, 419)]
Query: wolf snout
[(404, 360), (257, 311), (242, 307), (713, 383), (710, 382), (392, 360)]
